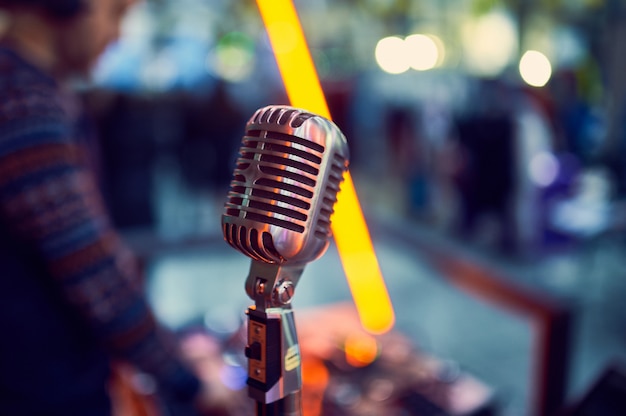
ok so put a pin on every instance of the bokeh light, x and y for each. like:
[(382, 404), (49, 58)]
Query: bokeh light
[(543, 169), (422, 51), (391, 55), (361, 349), (490, 43), (233, 58), (535, 68)]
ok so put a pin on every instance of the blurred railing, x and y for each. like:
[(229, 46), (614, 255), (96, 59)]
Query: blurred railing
[(552, 318)]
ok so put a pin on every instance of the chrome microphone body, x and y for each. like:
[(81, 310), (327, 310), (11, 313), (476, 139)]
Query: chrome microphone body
[(278, 213), (284, 187)]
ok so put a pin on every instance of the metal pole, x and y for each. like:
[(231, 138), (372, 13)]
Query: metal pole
[(274, 362), (289, 406)]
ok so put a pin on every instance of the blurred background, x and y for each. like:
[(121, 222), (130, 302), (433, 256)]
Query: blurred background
[(486, 132)]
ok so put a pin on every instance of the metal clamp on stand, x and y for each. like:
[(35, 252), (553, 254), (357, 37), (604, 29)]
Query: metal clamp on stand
[(274, 364)]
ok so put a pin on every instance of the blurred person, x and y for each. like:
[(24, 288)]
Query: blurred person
[(486, 177), (499, 140), (71, 296)]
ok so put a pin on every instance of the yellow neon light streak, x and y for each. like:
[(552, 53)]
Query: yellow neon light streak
[(349, 228)]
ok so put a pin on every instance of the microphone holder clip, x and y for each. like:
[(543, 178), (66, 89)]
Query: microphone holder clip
[(274, 363)]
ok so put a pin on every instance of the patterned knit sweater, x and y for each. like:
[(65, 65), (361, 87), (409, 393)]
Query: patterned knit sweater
[(70, 296)]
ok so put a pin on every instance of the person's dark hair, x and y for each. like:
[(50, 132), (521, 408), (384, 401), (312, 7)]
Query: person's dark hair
[(62, 9)]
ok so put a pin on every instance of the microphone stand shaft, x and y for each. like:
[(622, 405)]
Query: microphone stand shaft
[(290, 405), (274, 362)]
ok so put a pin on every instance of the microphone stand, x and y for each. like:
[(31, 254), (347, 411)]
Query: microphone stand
[(274, 363)]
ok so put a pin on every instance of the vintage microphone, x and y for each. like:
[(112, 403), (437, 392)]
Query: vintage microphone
[(278, 212)]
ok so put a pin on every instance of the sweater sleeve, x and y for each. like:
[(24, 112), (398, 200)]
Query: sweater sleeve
[(49, 200)]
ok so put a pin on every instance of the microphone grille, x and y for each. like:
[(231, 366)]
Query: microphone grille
[(329, 196), (284, 185)]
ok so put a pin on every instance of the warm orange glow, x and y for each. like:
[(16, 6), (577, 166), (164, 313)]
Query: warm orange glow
[(315, 378), (293, 57), (360, 263), (349, 228), (360, 349)]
